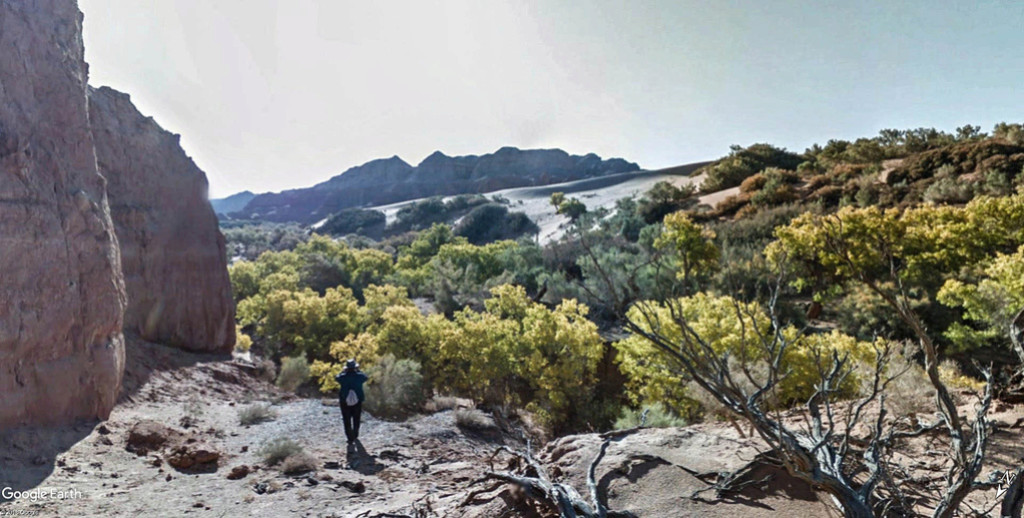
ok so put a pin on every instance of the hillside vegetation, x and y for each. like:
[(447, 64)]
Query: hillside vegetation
[(868, 271)]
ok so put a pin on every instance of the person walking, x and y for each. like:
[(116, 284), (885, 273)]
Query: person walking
[(351, 398)]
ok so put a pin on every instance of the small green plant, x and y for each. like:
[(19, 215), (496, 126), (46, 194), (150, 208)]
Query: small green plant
[(294, 372), (657, 417), (255, 414), (277, 450)]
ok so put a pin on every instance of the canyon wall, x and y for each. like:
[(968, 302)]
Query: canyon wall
[(105, 228), (172, 251), (61, 292)]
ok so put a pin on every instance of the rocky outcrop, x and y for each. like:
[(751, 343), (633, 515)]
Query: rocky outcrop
[(61, 292), (393, 180), (172, 252), (658, 472)]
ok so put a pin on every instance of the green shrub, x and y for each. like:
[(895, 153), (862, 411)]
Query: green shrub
[(493, 222), (355, 221), (294, 372), (657, 417), (395, 389), (275, 451), (745, 162)]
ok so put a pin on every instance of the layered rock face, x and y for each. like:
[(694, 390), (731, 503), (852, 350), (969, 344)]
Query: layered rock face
[(392, 180), (61, 291), (172, 252)]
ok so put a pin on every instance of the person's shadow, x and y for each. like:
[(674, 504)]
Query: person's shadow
[(360, 460)]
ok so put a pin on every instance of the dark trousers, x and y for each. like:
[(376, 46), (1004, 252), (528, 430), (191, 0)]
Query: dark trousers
[(350, 415)]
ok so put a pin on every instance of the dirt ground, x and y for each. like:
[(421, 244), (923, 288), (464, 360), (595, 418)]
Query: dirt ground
[(423, 467)]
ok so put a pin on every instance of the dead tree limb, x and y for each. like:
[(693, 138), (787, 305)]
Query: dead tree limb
[(560, 497)]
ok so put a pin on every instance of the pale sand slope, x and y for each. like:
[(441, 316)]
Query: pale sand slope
[(600, 192)]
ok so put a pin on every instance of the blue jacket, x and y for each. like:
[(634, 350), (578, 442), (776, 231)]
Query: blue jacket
[(351, 380)]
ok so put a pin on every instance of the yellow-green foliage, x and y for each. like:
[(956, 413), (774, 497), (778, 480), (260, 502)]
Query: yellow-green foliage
[(484, 260), (362, 347), (243, 342), (732, 329), (514, 351), (926, 240), (309, 321), (413, 261), (693, 244), (992, 301)]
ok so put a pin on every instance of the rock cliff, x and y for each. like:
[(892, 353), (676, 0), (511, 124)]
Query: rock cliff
[(393, 180), (61, 292), (172, 252)]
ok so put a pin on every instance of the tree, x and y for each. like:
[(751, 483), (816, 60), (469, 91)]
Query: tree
[(890, 252), (571, 208), (692, 244)]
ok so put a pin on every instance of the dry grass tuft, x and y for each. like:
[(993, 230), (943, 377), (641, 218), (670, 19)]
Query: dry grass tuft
[(473, 419), (255, 414), (298, 463)]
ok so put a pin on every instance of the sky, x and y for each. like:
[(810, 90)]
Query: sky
[(277, 94)]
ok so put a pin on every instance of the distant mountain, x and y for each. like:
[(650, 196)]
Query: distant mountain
[(391, 180), (233, 203)]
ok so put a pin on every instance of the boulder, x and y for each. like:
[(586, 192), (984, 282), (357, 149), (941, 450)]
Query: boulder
[(61, 293), (193, 456), (172, 251), (148, 436), (184, 452)]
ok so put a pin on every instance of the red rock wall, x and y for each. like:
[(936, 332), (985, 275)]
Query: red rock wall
[(61, 292), (172, 251)]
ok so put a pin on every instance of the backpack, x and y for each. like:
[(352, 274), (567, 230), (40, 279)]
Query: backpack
[(352, 399)]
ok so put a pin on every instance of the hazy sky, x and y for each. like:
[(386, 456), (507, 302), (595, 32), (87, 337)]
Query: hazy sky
[(275, 94)]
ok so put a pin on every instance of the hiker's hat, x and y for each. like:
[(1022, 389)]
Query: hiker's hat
[(351, 364)]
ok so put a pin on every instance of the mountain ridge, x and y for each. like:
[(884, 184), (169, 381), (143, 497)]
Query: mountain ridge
[(391, 180)]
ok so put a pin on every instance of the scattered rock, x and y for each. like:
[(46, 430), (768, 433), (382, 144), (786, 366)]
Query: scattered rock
[(104, 440), (239, 472), (103, 430), (245, 449), (312, 481), (355, 487), (332, 465), (391, 455)]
